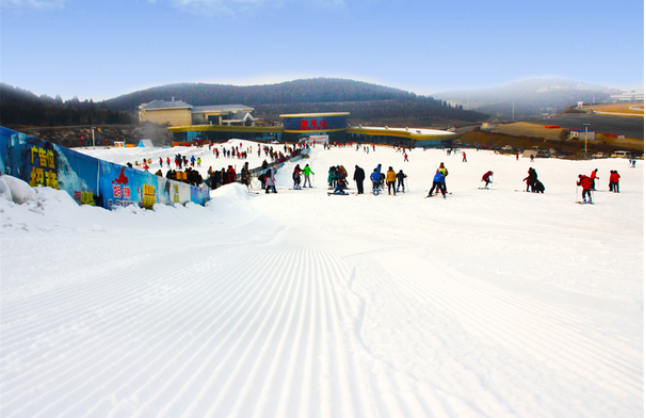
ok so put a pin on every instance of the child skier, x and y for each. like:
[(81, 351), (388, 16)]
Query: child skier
[(487, 178)]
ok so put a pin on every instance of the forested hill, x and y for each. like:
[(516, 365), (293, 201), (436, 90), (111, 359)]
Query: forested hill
[(367, 102), (297, 91)]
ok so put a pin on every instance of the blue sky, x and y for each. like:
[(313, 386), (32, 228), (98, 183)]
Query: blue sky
[(101, 49)]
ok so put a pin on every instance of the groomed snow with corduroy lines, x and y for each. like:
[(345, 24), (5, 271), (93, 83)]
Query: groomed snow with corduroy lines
[(491, 303)]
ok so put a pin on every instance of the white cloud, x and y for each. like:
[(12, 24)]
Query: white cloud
[(231, 7), (34, 4)]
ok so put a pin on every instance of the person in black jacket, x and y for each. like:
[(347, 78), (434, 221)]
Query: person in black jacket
[(400, 181), (359, 176)]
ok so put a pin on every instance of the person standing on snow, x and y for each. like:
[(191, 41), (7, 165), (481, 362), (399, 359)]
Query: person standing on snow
[(531, 179), (438, 183), (593, 177), (391, 177), (586, 183), (296, 176), (442, 169), (400, 180), (359, 177), (376, 181), (331, 177), (464, 157), (306, 173), (245, 175), (487, 178), (614, 181), (270, 180), (231, 175)]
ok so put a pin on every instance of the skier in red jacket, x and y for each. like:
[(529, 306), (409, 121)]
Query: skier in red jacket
[(487, 178), (614, 181), (593, 177), (586, 183)]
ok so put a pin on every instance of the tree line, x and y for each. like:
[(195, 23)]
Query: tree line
[(19, 107)]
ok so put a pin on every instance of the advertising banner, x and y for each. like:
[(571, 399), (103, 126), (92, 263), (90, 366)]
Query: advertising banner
[(86, 179), (41, 163)]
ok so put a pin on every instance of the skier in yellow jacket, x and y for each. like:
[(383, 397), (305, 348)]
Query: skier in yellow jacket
[(391, 178)]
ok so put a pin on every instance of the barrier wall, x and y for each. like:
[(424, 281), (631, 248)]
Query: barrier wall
[(86, 179)]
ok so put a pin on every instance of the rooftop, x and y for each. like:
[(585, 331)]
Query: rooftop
[(163, 104)]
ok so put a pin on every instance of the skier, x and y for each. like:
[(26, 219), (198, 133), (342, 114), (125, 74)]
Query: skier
[(245, 176), (296, 176), (376, 180), (331, 177), (400, 180), (341, 184), (306, 173), (531, 179), (614, 181), (593, 177), (487, 178), (231, 175), (438, 182), (442, 169), (405, 157), (464, 157), (391, 177), (270, 180), (586, 183), (359, 176)]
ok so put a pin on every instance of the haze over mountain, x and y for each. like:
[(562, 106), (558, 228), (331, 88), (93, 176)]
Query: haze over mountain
[(528, 98), (366, 102)]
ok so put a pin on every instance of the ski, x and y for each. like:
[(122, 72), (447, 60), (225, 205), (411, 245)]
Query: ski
[(584, 203), (338, 194)]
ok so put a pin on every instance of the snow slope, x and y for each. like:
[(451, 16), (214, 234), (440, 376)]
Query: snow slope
[(487, 304)]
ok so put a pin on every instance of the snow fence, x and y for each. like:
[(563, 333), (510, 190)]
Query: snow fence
[(88, 180)]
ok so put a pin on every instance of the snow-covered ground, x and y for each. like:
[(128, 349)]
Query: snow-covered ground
[(487, 304)]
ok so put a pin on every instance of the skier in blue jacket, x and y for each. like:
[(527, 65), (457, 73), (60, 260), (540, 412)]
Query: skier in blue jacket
[(376, 181), (438, 182)]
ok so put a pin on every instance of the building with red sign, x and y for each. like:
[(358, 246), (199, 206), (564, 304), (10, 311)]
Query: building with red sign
[(331, 127)]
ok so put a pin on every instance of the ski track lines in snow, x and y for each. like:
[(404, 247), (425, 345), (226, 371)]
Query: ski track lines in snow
[(550, 341), (265, 339)]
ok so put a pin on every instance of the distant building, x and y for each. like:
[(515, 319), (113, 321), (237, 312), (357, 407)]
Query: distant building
[(581, 134), (180, 113), (329, 127), (161, 112), (235, 114), (628, 97)]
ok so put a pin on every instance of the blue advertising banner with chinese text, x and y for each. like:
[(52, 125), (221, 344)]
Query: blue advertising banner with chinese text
[(86, 179)]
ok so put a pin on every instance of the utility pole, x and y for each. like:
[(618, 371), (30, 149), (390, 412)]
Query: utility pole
[(93, 146), (586, 139)]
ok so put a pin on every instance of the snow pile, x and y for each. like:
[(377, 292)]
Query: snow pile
[(491, 303)]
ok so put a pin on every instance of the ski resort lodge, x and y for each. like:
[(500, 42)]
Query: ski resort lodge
[(219, 123)]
